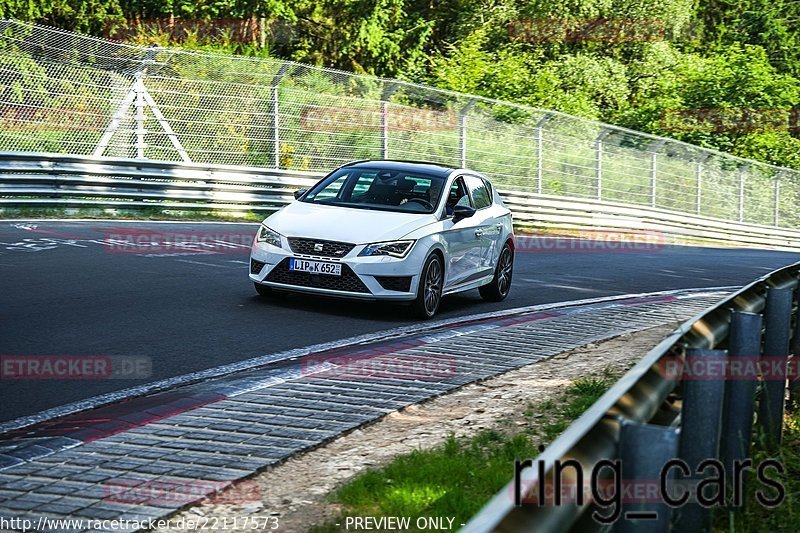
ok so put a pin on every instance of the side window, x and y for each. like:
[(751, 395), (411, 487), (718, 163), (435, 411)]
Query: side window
[(479, 191), (362, 185), (458, 195), (331, 190)]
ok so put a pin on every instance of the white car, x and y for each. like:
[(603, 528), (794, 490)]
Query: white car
[(389, 230)]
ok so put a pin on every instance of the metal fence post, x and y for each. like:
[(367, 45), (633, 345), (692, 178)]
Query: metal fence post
[(539, 151), (598, 163), (741, 194), (644, 449), (139, 116), (598, 169), (698, 198), (387, 93), (777, 318), (777, 200), (276, 138), (462, 133), (737, 423), (653, 177), (701, 419)]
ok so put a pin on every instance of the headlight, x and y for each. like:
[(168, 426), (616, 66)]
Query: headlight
[(393, 248), (270, 237)]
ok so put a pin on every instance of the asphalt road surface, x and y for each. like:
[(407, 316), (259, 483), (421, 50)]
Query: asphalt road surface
[(64, 290)]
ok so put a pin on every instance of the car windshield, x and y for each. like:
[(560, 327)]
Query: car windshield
[(379, 189)]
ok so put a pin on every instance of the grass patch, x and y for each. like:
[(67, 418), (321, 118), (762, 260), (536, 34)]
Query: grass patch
[(785, 517), (456, 478)]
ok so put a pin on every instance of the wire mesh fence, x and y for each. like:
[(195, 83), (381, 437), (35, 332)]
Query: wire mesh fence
[(68, 93)]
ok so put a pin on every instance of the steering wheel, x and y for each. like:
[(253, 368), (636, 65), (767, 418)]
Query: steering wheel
[(425, 203)]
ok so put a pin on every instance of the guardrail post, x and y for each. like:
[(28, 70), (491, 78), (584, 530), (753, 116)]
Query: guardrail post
[(644, 449), (737, 425), (794, 380), (777, 318), (701, 419)]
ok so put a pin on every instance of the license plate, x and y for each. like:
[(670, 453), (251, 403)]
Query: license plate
[(315, 267)]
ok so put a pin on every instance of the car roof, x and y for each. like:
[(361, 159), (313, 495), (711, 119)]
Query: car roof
[(404, 166)]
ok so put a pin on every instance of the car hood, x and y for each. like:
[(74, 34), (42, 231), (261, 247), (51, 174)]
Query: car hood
[(345, 224)]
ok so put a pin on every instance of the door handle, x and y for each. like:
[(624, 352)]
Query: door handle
[(478, 233)]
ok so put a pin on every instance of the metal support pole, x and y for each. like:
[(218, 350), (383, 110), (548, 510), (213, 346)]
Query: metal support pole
[(388, 91), (539, 153), (276, 126), (741, 194), (598, 168), (777, 318), (737, 423), (701, 419), (653, 177), (777, 200), (698, 199), (644, 449), (385, 130), (462, 131), (139, 117)]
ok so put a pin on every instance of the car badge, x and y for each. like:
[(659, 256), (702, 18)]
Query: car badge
[(318, 247)]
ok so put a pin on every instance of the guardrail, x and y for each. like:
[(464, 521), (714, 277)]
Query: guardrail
[(666, 408), (59, 180)]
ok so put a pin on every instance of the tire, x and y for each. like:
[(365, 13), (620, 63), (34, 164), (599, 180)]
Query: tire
[(268, 292), (429, 291), (497, 289)]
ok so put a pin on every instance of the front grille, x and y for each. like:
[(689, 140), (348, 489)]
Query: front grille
[(256, 266), (395, 283), (312, 247), (348, 281)]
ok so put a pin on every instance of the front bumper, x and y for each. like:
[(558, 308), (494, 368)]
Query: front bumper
[(363, 278)]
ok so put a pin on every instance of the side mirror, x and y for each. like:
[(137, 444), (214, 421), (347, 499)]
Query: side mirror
[(461, 212), (298, 193)]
